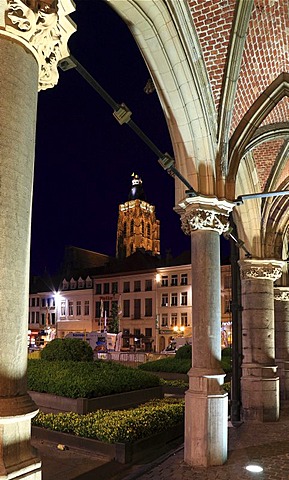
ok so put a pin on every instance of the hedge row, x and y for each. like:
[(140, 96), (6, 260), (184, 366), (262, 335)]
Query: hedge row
[(124, 426), (86, 379), (168, 364)]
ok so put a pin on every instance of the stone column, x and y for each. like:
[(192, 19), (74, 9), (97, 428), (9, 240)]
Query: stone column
[(206, 403), (29, 50), (281, 306), (259, 382)]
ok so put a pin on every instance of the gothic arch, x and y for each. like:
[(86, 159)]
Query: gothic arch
[(253, 119)]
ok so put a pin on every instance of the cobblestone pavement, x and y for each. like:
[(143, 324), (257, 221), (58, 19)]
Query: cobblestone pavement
[(265, 444)]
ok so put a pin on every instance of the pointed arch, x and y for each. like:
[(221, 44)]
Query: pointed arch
[(253, 119)]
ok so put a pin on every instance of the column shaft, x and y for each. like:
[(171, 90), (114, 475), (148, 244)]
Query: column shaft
[(281, 305), (206, 403), (18, 101), (260, 383)]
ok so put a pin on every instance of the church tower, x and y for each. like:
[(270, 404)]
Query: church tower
[(137, 225)]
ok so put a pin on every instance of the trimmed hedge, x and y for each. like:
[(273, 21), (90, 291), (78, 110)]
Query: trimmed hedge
[(66, 349), (180, 365), (168, 364), (124, 426), (86, 379)]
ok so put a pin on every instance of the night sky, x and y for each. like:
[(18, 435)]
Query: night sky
[(84, 159)]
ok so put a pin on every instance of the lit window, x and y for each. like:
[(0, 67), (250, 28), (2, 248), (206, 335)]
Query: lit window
[(86, 307), (164, 320), (70, 308), (78, 307), (184, 319), (165, 280), (174, 319)]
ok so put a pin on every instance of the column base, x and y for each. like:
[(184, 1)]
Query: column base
[(283, 372), (260, 393), (18, 459), (206, 421)]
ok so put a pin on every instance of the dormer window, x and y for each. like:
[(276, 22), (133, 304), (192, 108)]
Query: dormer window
[(88, 282), (65, 284), (80, 283), (73, 284)]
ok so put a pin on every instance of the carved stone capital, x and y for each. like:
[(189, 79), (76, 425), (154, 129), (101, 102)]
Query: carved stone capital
[(261, 269), (281, 294), (204, 213), (44, 27)]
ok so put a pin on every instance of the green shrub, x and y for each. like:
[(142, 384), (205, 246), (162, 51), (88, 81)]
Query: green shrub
[(86, 379), (117, 426), (179, 365), (227, 352), (169, 364), (184, 352), (67, 349)]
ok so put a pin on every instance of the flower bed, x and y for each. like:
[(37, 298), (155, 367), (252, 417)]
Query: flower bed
[(161, 420)]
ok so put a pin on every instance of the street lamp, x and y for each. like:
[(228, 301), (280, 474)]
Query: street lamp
[(179, 330)]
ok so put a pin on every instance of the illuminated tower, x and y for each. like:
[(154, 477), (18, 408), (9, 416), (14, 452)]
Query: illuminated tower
[(137, 225)]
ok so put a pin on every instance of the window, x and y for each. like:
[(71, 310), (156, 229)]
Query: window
[(106, 308), (174, 320), (37, 317), (174, 280), (52, 316), (97, 309), (78, 307), (124, 229), (165, 300), (227, 281), (114, 287), (86, 307), (106, 287), (126, 287), (33, 302), (80, 283), (148, 285), (132, 227), (148, 307), (137, 286), (137, 305), (165, 280), (43, 302), (65, 285), (164, 319), (62, 308), (184, 298), (32, 317), (184, 279), (125, 337), (136, 334), (70, 307), (98, 288), (184, 319), (126, 308), (148, 230), (37, 302), (43, 318), (148, 332), (174, 300), (73, 284), (88, 282), (142, 227)]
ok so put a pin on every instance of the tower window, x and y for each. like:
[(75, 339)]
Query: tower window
[(132, 227), (124, 229), (148, 230), (142, 227)]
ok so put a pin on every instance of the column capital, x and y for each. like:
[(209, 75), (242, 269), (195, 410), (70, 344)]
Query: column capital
[(281, 294), (204, 213), (261, 269), (44, 28)]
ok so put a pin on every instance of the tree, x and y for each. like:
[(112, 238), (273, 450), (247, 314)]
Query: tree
[(113, 324)]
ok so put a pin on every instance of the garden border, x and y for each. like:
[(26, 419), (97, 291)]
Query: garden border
[(121, 452)]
